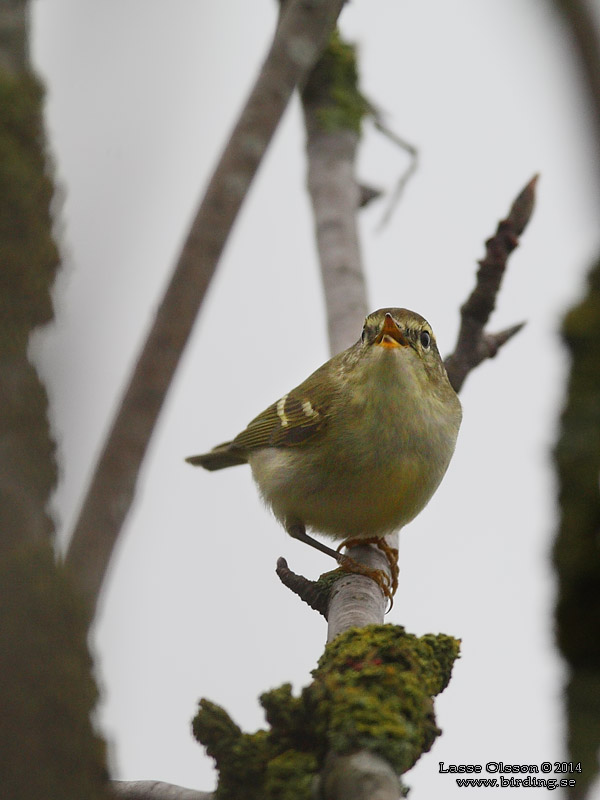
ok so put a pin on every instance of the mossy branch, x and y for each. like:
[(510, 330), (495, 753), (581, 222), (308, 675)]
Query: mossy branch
[(333, 109), (372, 692), (332, 90)]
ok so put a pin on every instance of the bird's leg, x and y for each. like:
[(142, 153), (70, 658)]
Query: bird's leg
[(391, 553), (297, 531)]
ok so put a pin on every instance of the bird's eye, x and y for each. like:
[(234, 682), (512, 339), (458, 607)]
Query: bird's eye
[(363, 335), (425, 339)]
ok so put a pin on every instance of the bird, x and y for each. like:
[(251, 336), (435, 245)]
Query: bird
[(358, 449)]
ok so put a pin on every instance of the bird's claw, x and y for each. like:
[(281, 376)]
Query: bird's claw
[(387, 584)]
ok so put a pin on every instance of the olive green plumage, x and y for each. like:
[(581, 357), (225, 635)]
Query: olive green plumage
[(358, 448)]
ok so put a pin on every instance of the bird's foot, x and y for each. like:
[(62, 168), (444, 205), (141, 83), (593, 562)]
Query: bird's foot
[(380, 576), (388, 586), (297, 531)]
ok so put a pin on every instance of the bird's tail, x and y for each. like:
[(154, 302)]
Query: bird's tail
[(224, 455)]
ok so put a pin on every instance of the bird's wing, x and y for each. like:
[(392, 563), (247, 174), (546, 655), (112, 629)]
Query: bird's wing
[(292, 420)]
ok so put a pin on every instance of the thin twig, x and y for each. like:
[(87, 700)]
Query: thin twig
[(366, 194), (301, 34), (315, 593), (474, 345), (405, 176)]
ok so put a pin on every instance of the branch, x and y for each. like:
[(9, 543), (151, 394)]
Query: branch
[(333, 112), (404, 178), (301, 34), (357, 601), (30, 262), (333, 109), (360, 776), (369, 706), (335, 199), (155, 790), (576, 554), (474, 345), (14, 37), (316, 594)]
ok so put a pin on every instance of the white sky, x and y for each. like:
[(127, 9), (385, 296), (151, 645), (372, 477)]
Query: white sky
[(141, 95)]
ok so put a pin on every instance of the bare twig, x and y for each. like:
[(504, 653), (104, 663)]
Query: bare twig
[(366, 194), (408, 172), (357, 601), (474, 345), (314, 593), (155, 790), (301, 34)]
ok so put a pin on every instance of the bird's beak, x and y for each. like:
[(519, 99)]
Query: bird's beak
[(390, 334)]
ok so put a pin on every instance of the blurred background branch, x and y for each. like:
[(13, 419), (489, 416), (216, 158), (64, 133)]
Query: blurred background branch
[(48, 746), (577, 457)]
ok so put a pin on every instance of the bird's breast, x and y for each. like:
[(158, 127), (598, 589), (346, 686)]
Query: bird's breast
[(376, 465)]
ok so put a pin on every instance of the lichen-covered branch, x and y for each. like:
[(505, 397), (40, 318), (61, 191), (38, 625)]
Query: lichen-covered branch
[(474, 345), (302, 32), (333, 110), (372, 694)]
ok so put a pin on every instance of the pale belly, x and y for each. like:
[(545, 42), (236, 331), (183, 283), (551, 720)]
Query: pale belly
[(343, 502)]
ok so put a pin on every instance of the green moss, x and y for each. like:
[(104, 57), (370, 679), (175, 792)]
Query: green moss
[(333, 88), (29, 260), (28, 254), (290, 776), (372, 690), (241, 758)]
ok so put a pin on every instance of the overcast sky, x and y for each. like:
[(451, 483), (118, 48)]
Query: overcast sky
[(141, 96)]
